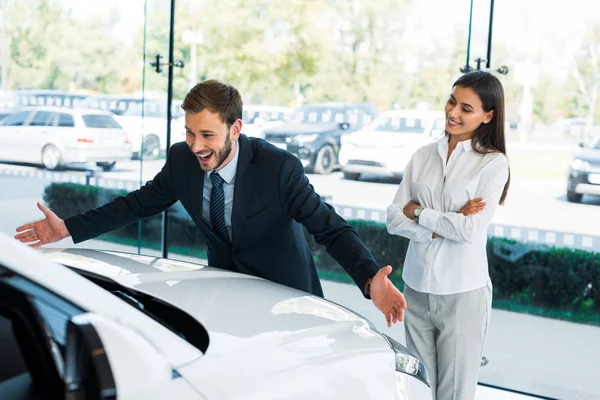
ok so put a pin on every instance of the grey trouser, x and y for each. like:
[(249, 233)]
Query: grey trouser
[(447, 333)]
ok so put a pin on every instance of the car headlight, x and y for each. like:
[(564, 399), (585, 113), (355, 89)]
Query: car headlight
[(406, 363), (305, 138), (580, 165)]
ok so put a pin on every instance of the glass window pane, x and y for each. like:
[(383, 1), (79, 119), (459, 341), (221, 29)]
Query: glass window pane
[(65, 120), (99, 121), (16, 119), (41, 118)]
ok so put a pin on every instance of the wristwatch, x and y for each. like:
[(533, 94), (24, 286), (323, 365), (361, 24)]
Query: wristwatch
[(367, 290), (418, 212)]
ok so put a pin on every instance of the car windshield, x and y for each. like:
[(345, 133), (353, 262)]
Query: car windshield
[(251, 116), (315, 115), (171, 317), (398, 124)]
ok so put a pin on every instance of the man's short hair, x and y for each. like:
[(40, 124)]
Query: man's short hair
[(217, 97)]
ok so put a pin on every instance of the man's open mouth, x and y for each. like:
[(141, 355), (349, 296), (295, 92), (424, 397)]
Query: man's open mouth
[(205, 157)]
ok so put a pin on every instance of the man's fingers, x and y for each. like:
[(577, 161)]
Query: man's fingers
[(388, 319), (25, 234), (43, 208), (26, 226), (386, 270), (29, 239)]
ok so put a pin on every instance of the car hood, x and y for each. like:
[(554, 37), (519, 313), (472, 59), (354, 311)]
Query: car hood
[(267, 335), (385, 139), (588, 154), (299, 128)]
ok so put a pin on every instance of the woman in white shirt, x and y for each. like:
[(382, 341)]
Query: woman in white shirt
[(444, 205)]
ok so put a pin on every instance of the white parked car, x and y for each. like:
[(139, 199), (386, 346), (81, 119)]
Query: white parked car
[(56, 136), (139, 327), (384, 147), (144, 119), (257, 118)]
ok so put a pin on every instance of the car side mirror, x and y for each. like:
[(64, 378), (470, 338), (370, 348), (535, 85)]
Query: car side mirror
[(87, 371), (98, 349)]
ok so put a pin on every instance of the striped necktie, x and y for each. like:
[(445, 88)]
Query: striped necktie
[(217, 206)]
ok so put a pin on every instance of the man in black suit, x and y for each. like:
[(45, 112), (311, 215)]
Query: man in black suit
[(248, 198)]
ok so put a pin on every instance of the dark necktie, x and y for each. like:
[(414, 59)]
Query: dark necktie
[(217, 206)]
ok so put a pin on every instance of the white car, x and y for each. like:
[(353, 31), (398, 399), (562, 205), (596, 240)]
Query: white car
[(57, 136), (258, 117), (384, 147), (138, 327), (144, 119)]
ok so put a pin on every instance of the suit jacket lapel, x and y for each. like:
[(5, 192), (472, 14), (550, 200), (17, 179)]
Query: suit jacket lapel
[(195, 191), (242, 193)]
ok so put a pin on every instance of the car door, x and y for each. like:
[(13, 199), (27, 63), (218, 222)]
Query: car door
[(11, 132), (36, 134)]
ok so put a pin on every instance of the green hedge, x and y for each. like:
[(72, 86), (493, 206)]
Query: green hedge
[(558, 283)]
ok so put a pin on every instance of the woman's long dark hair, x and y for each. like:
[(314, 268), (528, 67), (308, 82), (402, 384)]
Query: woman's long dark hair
[(488, 138)]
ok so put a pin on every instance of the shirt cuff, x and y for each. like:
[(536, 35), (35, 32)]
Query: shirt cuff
[(423, 234), (428, 218)]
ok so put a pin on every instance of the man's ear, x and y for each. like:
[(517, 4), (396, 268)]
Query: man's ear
[(236, 129)]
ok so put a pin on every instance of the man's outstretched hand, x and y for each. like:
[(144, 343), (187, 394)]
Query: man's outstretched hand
[(386, 297), (48, 230)]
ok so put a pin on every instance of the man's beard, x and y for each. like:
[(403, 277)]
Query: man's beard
[(224, 153)]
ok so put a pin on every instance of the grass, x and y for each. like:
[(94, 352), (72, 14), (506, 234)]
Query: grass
[(184, 251), (500, 304)]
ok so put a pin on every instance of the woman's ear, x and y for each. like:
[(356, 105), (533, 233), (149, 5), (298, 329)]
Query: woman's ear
[(488, 117)]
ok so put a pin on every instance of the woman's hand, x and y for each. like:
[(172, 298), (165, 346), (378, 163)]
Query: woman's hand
[(472, 207), (409, 209)]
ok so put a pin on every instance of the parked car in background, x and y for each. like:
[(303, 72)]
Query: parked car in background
[(384, 147), (314, 133), (258, 117), (140, 327), (57, 136), (145, 120), (584, 171)]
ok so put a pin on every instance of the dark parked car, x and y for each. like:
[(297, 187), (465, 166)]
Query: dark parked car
[(584, 171), (315, 131)]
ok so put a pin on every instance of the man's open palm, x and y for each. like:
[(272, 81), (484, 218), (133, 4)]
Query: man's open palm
[(48, 230), (386, 297)]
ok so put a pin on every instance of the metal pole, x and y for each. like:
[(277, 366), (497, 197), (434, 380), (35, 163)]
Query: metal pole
[(4, 54), (165, 219), (194, 59), (469, 38), (488, 61)]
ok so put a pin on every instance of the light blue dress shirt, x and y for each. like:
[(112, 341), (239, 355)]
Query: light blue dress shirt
[(228, 175)]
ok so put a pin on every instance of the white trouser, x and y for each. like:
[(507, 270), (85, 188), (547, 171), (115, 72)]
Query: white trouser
[(447, 333)]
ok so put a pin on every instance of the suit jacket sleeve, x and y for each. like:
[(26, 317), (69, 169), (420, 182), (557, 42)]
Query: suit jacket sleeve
[(154, 197), (302, 203)]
